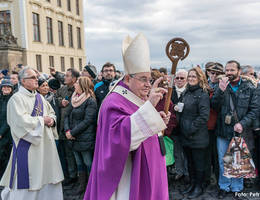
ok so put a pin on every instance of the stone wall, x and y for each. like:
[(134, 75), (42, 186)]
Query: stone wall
[(10, 57)]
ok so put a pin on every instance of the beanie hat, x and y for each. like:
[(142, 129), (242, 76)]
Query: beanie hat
[(4, 72), (208, 65), (6, 82), (91, 69), (217, 67), (41, 81), (54, 84)]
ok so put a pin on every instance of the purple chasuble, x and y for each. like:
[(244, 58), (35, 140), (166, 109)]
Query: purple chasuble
[(20, 153), (148, 178)]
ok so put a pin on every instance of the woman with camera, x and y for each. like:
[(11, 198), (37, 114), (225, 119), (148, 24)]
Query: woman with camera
[(194, 114)]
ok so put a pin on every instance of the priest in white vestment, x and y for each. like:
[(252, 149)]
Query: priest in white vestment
[(34, 170)]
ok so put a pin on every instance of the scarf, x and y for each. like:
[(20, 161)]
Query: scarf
[(77, 100), (180, 90)]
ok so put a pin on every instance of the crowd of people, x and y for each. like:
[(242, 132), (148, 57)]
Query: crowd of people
[(102, 130)]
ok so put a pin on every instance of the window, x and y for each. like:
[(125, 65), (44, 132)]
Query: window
[(80, 64), (62, 64), (59, 3), (51, 61), (5, 22), (49, 30), (72, 62), (79, 37), (77, 7), (70, 35), (68, 5), (36, 28), (60, 31), (39, 62)]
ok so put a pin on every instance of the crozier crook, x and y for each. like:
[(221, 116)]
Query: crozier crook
[(176, 49)]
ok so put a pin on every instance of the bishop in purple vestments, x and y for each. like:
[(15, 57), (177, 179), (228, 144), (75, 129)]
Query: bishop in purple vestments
[(128, 163)]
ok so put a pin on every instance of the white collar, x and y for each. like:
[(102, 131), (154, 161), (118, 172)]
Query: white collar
[(26, 92)]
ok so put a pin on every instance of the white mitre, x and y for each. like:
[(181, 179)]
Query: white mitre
[(136, 54)]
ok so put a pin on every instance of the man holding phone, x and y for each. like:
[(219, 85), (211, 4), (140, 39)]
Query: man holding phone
[(66, 155), (245, 103)]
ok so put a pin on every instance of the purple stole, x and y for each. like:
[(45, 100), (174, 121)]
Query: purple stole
[(20, 153)]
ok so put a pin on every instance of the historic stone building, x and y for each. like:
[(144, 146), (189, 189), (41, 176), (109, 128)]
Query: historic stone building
[(42, 34)]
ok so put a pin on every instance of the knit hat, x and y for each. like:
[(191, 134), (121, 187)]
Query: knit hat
[(91, 69), (136, 54), (6, 82), (4, 72), (54, 84), (208, 65), (217, 67), (41, 81)]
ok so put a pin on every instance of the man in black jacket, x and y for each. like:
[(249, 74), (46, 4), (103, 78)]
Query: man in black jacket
[(245, 99), (180, 82), (63, 96), (102, 88)]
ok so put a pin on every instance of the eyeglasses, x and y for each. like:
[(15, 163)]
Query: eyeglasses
[(31, 77), (108, 70), (214, 73), (179, 78), (143, 79)]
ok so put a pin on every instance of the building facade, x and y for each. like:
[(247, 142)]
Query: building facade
[(49, 32)]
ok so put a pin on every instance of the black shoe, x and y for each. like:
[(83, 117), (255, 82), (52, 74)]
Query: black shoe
[(222, 194), (206, 184), (197, 191), (188, 189)]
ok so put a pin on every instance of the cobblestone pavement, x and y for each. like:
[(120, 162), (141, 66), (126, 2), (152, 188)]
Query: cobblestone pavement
[(174, 192), (210, 192)]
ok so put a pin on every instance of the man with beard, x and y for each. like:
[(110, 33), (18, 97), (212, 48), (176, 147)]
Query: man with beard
[(102, 88), (245, 103)]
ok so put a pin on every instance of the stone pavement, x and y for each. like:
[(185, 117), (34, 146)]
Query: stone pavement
[(210, 192), (174, 192)]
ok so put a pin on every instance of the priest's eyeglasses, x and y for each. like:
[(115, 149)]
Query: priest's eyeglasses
[(32, 77), (142, 79)]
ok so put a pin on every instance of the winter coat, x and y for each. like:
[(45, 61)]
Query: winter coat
[(246, 105), (101, 90), (175, 100), (4, 128), (82, 121), (172, 122), (194, 117), (53, 100), (64, 92), (5, 133)]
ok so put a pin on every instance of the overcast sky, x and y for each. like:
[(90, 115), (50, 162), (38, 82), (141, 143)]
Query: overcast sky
[(218, 30)]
